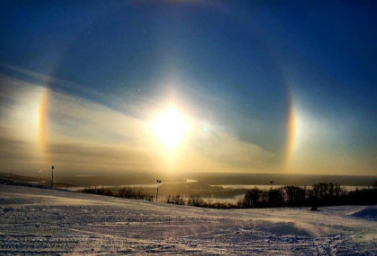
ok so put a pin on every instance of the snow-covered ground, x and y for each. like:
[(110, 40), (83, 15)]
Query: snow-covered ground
[(50, 222)]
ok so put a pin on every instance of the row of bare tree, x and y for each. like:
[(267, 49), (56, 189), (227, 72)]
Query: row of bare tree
[(321, 194)]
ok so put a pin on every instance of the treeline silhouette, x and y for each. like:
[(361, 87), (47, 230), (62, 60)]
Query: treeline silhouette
[(318, 195), (321, 194), (122, 192)]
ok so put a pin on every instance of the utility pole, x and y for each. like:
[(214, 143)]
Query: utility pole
[(52, 176), (158, 182)]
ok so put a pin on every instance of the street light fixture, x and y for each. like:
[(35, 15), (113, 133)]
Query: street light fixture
[(52, 176), (158, 182)]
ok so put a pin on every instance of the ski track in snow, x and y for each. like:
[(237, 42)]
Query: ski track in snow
[(51, 222)]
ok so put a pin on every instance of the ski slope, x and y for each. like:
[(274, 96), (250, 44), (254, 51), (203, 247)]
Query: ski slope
[(51, 222)]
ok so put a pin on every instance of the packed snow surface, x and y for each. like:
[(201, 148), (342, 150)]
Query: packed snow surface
[(51, 222)]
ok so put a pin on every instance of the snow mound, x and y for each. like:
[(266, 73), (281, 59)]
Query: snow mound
[(369, 213)]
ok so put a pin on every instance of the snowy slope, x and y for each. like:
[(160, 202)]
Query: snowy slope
[(48, 222)]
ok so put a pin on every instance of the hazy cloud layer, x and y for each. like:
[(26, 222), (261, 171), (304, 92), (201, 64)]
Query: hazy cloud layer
[(85, 135)]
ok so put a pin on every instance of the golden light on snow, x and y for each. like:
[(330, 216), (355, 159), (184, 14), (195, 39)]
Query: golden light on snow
[(170, 127)]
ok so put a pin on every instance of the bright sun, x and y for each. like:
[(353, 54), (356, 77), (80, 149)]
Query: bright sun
[(170, 127)]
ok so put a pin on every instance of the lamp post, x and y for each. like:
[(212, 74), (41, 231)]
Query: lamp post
[(158, 182), (52, 176)]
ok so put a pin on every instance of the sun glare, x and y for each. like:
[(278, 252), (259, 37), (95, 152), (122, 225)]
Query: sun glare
[(170, 127)]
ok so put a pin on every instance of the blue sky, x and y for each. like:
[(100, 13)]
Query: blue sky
[(234, 66)]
